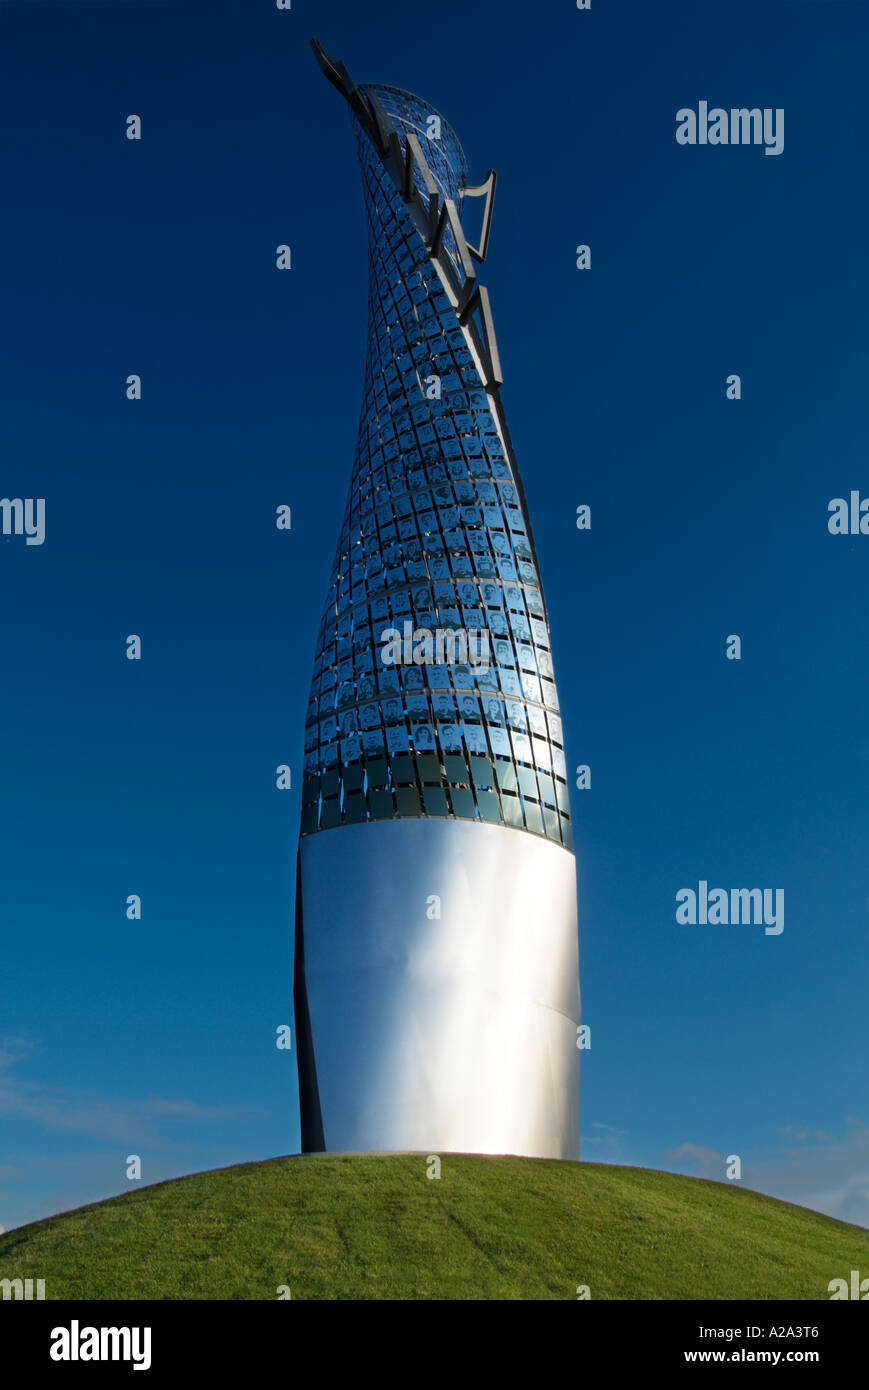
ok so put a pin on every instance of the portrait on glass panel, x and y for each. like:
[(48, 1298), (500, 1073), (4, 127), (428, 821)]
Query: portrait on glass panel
[(515, 714), (396, 738), (475, 738), (494, 711), (387, 680), (393, 711), (351, 750), (531, 687), (521, 747), (536, 720), (449, 737), (348, 723), (499, 741)]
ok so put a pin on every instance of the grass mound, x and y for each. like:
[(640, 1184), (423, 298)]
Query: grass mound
[(374, 1226)]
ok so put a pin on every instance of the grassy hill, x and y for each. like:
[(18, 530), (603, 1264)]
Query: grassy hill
[(372, 1226)]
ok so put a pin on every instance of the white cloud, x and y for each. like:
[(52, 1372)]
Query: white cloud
[(816, 1170), (709, 1161), (831, 1177), (125, 1122)]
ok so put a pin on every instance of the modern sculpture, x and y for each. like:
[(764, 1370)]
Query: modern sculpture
[(436, 966)]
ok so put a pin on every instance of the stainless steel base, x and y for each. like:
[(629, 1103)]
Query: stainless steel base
[(454, 1032)]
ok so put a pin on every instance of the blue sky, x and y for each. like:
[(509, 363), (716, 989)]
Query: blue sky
[(709, 517)]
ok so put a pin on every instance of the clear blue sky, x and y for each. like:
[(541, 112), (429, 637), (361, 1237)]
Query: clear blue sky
[(709, 517)]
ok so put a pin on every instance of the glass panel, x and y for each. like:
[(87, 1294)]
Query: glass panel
[(435, 535)]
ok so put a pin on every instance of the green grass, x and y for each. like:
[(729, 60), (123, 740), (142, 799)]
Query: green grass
[(374, 1226)]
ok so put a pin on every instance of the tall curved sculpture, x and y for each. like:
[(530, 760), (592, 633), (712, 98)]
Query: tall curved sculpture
[(436, 967)]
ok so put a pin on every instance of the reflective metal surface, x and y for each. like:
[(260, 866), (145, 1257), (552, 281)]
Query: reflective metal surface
[(442, 778), (450, 1032)]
